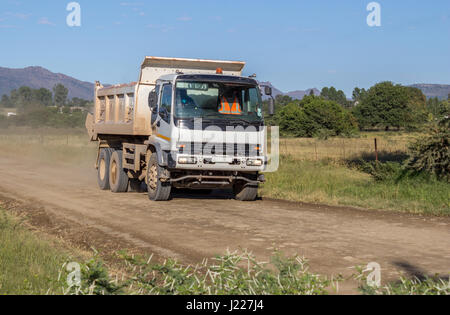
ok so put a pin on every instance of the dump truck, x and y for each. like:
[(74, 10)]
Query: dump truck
[(185, 124)]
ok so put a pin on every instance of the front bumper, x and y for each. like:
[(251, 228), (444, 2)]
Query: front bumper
[(216, 163)]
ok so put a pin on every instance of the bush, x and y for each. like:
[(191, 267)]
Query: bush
[(381, 171), (230, 274), (3, 121), (314, 116), (431, 154), (291, 120), (405, 286), (49, 117)]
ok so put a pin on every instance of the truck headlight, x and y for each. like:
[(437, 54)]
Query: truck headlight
[(187, 160), (257, 162)]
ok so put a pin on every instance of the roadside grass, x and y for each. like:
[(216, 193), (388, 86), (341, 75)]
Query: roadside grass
[(333, 182), (28, 264)]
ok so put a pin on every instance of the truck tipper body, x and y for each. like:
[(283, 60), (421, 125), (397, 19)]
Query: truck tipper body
[(186, 123)]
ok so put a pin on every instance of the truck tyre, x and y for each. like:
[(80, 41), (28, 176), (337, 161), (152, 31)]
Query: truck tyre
[(245, 192), (157, 190), (103, 168), (118, 178)]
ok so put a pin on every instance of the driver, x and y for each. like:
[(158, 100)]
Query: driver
[(184, 99)]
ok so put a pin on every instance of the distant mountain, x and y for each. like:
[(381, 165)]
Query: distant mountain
[(440, 91), (275, 91), (38, 77), (297, 95)]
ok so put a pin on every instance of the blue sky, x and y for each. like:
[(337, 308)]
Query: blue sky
[(294, 44)]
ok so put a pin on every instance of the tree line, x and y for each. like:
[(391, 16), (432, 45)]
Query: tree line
[(385, 106), (44, 108), (26, 98)]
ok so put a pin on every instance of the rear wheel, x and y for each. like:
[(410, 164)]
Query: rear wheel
[(157, 190), (245, 192), (118, 178), (103, 168)]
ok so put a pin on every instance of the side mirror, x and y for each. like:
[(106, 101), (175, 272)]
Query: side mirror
[(153, 104), (268, 90), (271, 107)]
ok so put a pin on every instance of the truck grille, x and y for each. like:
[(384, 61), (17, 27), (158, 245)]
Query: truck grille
[(238, 150)]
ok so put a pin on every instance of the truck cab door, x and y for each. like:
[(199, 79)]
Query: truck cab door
[(163, 125)]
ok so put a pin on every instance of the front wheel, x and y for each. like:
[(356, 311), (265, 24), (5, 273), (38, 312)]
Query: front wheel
[(245, 192), (157, 190)]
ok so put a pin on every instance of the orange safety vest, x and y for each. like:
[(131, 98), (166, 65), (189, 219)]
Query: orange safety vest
[(227, 110)]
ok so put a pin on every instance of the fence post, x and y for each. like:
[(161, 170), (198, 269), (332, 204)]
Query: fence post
[(376, 150)]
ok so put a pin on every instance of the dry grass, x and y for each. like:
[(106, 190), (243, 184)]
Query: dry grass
[(48, 145), (338, 149)]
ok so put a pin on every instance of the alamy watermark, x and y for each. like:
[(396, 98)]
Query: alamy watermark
[(374, 277), (235, 143), (74, 17), (374, 17), (74, 277)]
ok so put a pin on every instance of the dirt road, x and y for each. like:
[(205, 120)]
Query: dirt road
[(333, 239)]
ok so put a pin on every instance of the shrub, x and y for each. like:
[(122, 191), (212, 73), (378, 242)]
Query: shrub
[(431, 153), (381, 171), (314, 116), (230, 274), (405, 286)]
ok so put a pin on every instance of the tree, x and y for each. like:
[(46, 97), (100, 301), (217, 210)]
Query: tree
[(60, 93), (327, 115), (291, 120), (313, 116), (359, 94), (6, 102), (388, 105), (78, 102), (331, 94), (42, 97), (23, 98), (282, 100)]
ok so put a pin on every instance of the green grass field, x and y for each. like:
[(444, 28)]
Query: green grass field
[(329, 182), (28, 264)]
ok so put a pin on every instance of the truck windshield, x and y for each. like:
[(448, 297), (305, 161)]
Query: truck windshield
[(218, 101)]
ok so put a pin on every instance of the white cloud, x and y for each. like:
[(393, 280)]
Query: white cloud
[(7, 26), (131, 4), (163, 28), (185, 19), (45, 21), (21, 16)]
